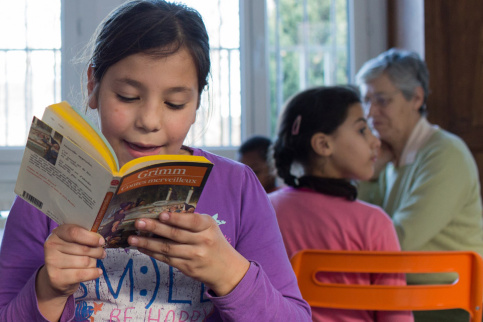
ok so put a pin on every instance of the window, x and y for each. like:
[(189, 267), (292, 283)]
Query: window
[(308, 46), (29, 64), (222, 22), (262, 53)]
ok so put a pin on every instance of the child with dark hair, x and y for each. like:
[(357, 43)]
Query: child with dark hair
[(52, 153), (254, 153), (323, 131), (149, 67)]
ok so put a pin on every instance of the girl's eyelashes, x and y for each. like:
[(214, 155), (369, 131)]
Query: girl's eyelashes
[(132, 99), (126, 99), (363, 130), (175, 106)]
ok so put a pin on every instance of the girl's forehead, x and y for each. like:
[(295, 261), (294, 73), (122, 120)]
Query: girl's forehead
[(142, 69), (355, 113)]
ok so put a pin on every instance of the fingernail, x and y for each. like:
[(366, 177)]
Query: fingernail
[(164, 216), (100, 271), (141, 223), (104, 255), (133, 240), (101, 241)]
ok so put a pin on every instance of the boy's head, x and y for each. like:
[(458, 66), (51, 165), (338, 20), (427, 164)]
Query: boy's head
[(253, 152)]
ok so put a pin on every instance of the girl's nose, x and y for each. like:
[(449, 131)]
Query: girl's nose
[(149, 117)]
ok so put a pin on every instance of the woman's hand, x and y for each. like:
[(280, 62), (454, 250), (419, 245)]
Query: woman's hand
[(194, 244), (71, 254), (384, 156)]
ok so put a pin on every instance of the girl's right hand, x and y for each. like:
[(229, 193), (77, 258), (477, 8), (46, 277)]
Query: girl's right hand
[(71, 254)]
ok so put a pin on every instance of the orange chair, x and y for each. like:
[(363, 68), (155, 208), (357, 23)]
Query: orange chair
[(465, 293)]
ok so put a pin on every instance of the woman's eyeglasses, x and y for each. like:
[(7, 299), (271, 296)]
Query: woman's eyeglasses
[(381, 100)]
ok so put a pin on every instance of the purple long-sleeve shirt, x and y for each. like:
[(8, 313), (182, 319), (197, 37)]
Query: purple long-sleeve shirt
[(138, 288)]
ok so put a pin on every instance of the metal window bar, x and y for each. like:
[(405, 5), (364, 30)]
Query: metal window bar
[(279, 62), (230, 125), (304, 48), (333, 49), (220, 22), (28, 98), (220, 99)]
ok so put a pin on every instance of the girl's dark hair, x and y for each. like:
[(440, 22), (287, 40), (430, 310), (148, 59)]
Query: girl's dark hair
[(153, 27), (319, 109)]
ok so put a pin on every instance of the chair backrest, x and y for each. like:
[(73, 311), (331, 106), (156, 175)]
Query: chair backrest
[(465, 293)]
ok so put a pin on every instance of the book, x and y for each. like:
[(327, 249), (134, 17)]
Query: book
[(71, 173)]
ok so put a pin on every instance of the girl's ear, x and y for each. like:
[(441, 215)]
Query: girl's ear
[(321, 144), (91, 88)]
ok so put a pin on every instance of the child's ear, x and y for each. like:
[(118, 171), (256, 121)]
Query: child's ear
[(91, 88), (321, 144)]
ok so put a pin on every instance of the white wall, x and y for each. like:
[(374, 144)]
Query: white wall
[(9, 166), (79, 21)]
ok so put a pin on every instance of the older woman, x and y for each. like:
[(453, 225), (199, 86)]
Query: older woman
[(427, 179)]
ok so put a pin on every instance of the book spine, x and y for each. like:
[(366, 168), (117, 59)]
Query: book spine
[(102, 211)]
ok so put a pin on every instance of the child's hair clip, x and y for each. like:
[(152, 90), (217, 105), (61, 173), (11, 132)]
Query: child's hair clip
[(296, 125)]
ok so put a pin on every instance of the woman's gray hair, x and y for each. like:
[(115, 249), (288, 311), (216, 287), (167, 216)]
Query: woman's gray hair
[(405, 69)]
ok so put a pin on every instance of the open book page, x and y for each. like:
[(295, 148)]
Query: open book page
[(145, 193), (73, 125), (60, 179)]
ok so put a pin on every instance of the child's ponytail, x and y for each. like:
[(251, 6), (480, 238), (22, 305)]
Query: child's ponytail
[(283, 157)]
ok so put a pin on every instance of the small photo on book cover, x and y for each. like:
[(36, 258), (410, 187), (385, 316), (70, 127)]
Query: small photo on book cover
[(44, 141)]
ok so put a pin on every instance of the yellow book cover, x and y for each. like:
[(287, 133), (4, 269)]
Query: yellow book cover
[(70, 172)]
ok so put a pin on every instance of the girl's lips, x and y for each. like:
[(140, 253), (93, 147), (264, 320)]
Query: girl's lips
[(139, 150)]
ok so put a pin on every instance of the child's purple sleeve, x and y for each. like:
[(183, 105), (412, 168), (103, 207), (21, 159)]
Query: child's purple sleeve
[(255, 298), (269, 290)]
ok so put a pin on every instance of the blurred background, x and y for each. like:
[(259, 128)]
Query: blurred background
[(262, 53)]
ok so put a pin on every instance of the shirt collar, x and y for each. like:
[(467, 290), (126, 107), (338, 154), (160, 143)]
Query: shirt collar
[(419, 136)]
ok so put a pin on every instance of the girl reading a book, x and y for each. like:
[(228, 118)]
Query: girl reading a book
[(148, 69), (323, 131)]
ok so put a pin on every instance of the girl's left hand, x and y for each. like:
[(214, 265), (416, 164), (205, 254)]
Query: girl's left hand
[(194, 244)]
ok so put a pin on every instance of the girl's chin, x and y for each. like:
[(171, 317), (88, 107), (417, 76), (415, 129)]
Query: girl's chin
[(364, 177), (123, 161), (129, 154), (135, 153), (128, 157)]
